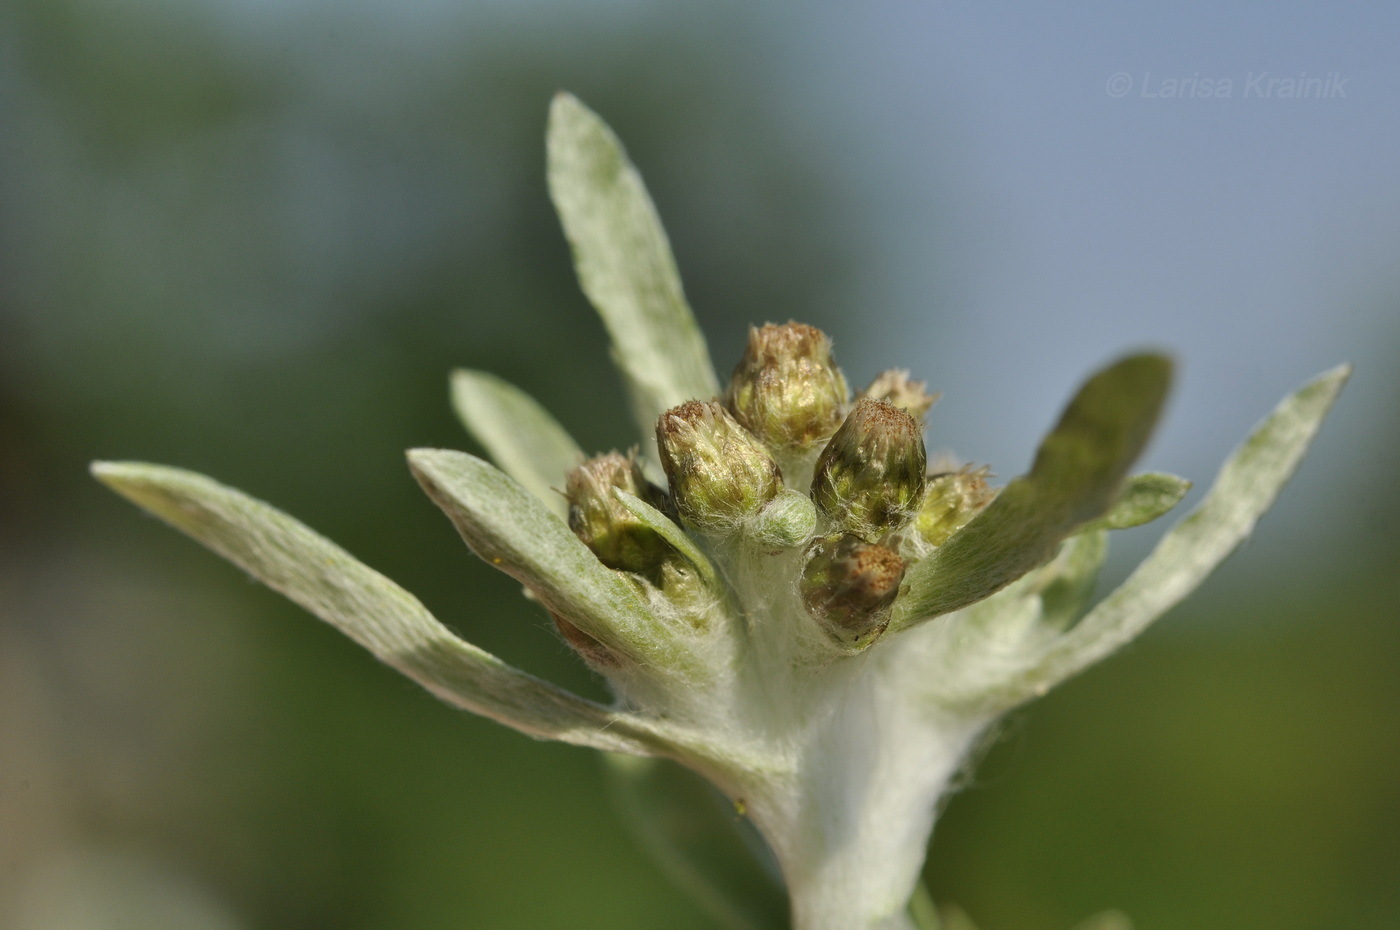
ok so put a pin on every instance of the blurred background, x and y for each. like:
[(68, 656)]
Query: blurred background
[(251, 238)]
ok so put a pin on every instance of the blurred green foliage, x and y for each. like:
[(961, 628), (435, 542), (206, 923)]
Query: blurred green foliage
[(254, 245)]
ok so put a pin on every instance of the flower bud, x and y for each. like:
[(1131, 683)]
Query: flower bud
[(720, 475), (951, 500), (894, 387), (786, 390), (597, 517), (870, 477), (848, 586), (787, 522)]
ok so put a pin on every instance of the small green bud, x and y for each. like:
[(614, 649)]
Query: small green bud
[(720, 475), (597, 517), (787, 522), (894, 387), (951, 500), (870, 477), (786, 390), (848, 586)]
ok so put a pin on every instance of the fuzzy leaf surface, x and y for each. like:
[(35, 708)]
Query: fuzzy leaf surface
[(510, 529), (1246, 487), (523, 439), (1076, 477), (624, 264), (363, 604), (1145, 498)]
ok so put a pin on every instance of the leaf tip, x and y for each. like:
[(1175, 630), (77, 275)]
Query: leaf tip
[(119, 476), (1335, 378), (423, 459), (567, 113)]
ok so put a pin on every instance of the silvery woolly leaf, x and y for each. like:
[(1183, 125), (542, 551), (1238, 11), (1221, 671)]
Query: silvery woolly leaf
[(511, 530), (1076, 477), (523, 439), (1145, 498), (625, 265), (1246, 487), (369, 608)]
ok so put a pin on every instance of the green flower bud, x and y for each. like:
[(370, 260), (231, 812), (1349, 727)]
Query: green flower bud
[(951, 500), (597, 517), (787, 522), (894, 387), (786, 390), (720, 475), (870, 477), (848, 586)]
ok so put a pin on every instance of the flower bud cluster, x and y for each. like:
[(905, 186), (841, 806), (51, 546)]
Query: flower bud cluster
[(722, 466)]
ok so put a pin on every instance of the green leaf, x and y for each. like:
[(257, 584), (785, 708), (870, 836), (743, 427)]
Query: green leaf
[(524, 440), (625, 265), (1144, 499), (510, 529), (674, 535), (369, 608), (1247, 486), (700, 841), (1077, 474)]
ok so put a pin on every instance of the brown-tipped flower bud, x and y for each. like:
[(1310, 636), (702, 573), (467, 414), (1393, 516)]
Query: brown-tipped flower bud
[(720, 475), (848, 586), (870, 477), (951, 500), (894, 387), (786, 390), (597, 517)]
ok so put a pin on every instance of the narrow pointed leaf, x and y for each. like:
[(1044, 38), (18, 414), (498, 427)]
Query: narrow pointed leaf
[(523, 439), (1077, 475), (677, 537), (510, 529), (698, 839), (1145, 498), (625, 265), (369, 608), (1247, 486)]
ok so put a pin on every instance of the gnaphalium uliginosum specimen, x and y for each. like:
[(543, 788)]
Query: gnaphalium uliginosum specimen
[(780, 595)]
